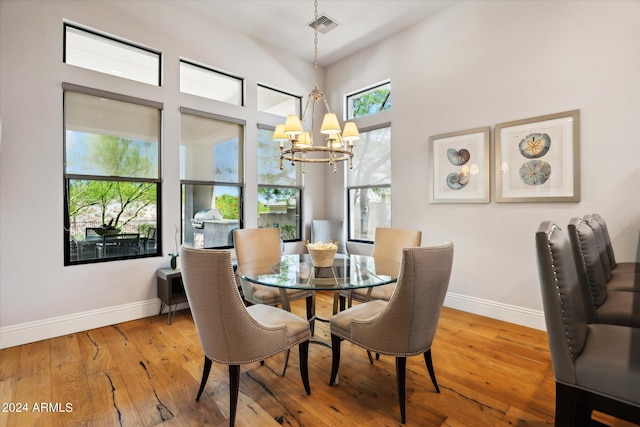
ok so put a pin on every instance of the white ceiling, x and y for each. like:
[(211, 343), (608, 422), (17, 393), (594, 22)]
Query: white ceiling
[(284, 23)]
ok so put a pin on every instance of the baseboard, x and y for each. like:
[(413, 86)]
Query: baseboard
[(495, 310), (54, 327), (24, 333)]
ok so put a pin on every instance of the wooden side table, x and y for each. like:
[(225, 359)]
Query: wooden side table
[(170, 290)]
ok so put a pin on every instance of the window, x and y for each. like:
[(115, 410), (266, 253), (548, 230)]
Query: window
[(208, 83), (369, 101), (111, 176), (277, 102), (369, 184), (106, 54), (210, 173), (279, 191)]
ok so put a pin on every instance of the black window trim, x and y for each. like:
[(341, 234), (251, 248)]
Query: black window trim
[(360, 187), (241, 79), (300, 187), (112, 38), (359, 91), (70, 87), (298, 97), (241, 177)]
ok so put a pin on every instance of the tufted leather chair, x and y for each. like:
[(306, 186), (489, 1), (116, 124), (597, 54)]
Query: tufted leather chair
[(229, 332), (606, 306), (620, 266), (624, 276), (406, 324), (595, 365)]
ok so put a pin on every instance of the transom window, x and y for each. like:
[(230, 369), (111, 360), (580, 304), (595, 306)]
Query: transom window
[(206, 82), (368, 101), (278, 102), (109, 55)]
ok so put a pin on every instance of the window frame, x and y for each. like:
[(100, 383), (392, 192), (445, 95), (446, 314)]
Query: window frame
[(68, 177), (299, 187), (214, 183), (298, 99), (215, 71), (349, 188), (348, 106), (115, 39)]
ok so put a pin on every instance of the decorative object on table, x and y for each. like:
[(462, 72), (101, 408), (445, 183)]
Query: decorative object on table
[(460, 162), (322, 253), (175, 254), (339, 146), (538, 159), (329, 229)]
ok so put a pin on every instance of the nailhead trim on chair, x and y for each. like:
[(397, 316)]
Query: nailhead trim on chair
[(555, 275)]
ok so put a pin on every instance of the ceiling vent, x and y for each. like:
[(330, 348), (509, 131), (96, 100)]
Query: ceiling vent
[(323, 24)]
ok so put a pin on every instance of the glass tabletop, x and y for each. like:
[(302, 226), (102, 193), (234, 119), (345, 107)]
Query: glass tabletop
[(297, 272)]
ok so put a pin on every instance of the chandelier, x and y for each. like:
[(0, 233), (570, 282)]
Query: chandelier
[(297, 145)]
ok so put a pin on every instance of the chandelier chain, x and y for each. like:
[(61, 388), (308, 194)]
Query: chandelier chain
[(315, 43), (338, 147)]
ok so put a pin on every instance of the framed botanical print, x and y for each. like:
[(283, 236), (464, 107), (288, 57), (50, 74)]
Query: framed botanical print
[(460, 166), (538, 159)]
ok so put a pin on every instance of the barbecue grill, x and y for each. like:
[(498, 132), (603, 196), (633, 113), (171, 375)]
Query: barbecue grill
[(205, 214)]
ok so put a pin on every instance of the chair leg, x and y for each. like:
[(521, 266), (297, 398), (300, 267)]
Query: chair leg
[(569, 412), (336, 298), (311, 312), (205, 375), (432, 373), (369, 356), (285, 362), (234, 385), (303, 350), (335, 357), (401, 367)]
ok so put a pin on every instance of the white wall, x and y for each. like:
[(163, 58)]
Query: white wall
[(481, 63), (477, 64), (39, 297)]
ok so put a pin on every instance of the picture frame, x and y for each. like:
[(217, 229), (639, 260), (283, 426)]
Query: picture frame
[(538, 159), (461, 166)]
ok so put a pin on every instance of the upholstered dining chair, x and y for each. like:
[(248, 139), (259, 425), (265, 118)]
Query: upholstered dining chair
[(624, 276), (629, 266), (264, 244), (229, 332), (595, 365), (605, 306), (406, 324), (387, 244), (329, 229)]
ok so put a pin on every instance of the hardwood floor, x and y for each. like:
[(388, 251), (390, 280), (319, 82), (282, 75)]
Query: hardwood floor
[(146, 373)]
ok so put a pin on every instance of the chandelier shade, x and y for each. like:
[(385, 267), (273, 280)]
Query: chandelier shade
[(298, 145)]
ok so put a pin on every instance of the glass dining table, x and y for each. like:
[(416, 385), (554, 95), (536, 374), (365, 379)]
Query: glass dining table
[(347, 272)]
